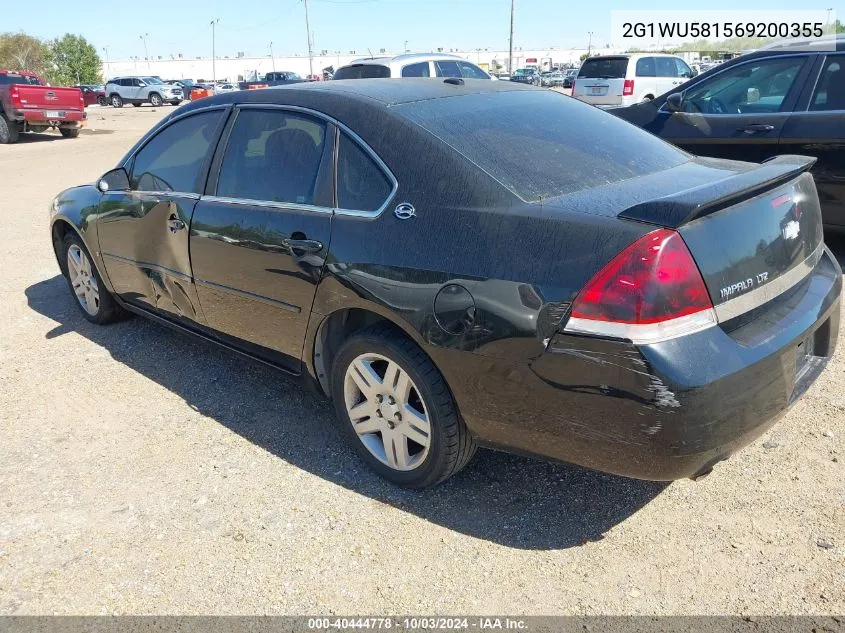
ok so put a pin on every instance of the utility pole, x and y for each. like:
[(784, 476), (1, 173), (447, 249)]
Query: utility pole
[(213, 53), (308, 29), (106, 51), (273, 59), (406, 46), (828, 19), (510, 46), (589, 43), (146, 52)]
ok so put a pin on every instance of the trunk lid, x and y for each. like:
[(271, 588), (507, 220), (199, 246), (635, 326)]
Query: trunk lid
[(753, 235)]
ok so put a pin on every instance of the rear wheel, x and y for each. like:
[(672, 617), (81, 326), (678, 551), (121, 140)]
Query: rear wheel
[(116, 101), (8, 131), (397, 410), (155, 99), (101, 100), (96, 303), (69, 132)]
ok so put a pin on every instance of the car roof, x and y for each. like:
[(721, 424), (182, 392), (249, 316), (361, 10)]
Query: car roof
[(820, 45), (405, 57), (630, 56)]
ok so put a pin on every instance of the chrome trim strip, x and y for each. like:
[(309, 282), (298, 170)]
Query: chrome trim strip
[(167, 194), (270, 204), (353, 136), (249, 295), (155, 267), (645, 333), (755, 298)]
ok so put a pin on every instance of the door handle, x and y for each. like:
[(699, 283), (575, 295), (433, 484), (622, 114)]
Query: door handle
[(175, 224), (308, 246), (756, 127)]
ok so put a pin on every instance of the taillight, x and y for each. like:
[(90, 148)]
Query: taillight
[(628, 88), (81, 100), (652, 291), (15, 96)]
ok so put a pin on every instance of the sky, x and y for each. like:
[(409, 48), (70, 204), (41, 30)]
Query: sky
[(183, 26)]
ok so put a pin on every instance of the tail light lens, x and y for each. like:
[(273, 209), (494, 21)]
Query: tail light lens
[(81, 99), (628, 88), (15, 96), (650, 292)]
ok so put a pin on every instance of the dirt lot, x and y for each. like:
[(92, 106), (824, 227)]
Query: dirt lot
[(145, 472)]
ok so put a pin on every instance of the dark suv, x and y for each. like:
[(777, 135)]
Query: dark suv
[(784, 99)]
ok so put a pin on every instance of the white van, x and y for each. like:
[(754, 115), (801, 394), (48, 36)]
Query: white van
[(620, 80)]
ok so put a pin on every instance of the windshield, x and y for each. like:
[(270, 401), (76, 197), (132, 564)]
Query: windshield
[(562, 147), (604, 68), (363, 71), (153, 80)]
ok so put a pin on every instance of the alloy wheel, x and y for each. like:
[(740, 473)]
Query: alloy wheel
[(387, 411), (83, 280)]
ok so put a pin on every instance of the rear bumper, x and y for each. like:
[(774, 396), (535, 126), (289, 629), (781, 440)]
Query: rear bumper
[(665, 411), (73, 118)]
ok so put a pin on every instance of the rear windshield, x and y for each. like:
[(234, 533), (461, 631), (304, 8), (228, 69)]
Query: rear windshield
[(604, 68), (363, 71), (541, 144), (13, 78)]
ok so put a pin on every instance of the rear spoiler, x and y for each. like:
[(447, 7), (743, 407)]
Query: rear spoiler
[(685, 206)]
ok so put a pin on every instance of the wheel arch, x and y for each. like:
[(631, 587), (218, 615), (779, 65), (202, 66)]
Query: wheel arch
[(60, 226)]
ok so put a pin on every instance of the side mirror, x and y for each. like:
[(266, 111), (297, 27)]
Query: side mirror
[(114, 180), (675, 101)]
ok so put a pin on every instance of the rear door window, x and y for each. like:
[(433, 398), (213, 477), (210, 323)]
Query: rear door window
[(447, 68), (273, 156), (416, 70), (604, 68), (361, 184), (830, 89), (173, 160), (363, 71), (646, 67)]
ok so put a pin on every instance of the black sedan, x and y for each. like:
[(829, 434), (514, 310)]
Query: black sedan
[(785, 99), (452, 273)]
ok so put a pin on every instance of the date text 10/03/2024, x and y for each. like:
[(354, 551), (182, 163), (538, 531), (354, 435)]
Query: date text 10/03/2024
[(418, 623)]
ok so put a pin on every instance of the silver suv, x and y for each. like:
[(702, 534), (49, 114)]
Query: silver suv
[(411, 65), (138, 90)]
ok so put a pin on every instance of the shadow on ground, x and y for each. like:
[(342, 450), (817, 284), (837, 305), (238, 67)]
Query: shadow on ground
[(514, 501)]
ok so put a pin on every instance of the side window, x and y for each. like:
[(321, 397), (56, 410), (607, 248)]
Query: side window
[(273, 155), (758, 86), (645, 67), (682, 68), (125, 82), (471, 71), (416, 70), (830, 89), (361, 184), (665, 67), (447, 68), (173, 159), (137, 83)]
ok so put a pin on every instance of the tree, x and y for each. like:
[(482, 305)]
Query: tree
[(74, 60), (584, 56), (19, 51), (840, 28)]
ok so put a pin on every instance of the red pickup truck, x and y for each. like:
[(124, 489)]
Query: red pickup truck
[(27, 104)]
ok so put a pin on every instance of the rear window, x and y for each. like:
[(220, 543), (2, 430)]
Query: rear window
[(13, 78), (604, 68), (541, 144), (363, 71)]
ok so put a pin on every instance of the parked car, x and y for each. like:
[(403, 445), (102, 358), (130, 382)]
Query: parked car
[(411, 65), (663, 310), (185, 84), (141, 90), (225, 87), (276, 78), (93, 94), (555, 79), (614, 80), (784, 99), (27, 104), (526, 76)]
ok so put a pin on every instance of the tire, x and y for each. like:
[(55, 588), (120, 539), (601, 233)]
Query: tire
[(116, 101), (428, 401), (69, 132), (156, 100), (95, 302), (9, 131), (101, 101)]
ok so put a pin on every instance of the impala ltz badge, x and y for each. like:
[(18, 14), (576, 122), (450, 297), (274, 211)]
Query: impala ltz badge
[(405, 211)]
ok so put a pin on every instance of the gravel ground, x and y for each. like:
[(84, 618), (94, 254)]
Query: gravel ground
[(145, 472)]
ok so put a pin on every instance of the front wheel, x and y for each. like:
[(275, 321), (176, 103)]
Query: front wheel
[(96, 303), (69, 132), (116, 101), (155, 99), (397, 410)]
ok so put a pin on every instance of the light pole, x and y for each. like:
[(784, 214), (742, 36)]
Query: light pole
[(589, 43), (273, 59), (213, 52), (406, 47), (510, 44), (828, 17), (106, 51), (146, 52), (308, 29)]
